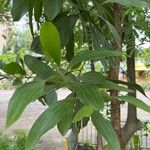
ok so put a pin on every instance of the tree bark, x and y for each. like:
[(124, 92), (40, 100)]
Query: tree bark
[(132, 122), (114, 73)]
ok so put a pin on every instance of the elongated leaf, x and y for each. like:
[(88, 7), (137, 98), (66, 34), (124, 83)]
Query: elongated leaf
[(99, 41), (114, 32), (88, 95), (97, 78), (50, 40), (85, 111), (38, 9), (24, 95), (133, 86), (65, 123), (92, 55), (13, 68), (135, 101), (52, 8), (48, 120), (129, 3), (105, 129), (38, 67), (70, 49), (51, 97), (65, 25), (19, 9)]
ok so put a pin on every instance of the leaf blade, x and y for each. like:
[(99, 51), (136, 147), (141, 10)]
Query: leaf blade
[(105, 128), (50, 40), (92, 55), (38, 67), (21, 98), (48, 120), (135, 101)]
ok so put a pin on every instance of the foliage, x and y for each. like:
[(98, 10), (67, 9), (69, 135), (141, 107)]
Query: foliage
[(4, 9), (145, 56), (15, 142), (96, 24), (8, 57)]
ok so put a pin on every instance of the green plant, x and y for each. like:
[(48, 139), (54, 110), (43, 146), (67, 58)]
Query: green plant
[(87, 96), (5, 142), (20, 138), (15, 141)]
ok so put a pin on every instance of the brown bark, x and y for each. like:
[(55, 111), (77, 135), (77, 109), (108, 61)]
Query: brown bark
[(114, 73), (132, 123)]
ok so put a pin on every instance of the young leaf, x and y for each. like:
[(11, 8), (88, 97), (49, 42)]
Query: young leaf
[(50, 40), (92, 55), (52, 8), (135, 101), (88, 95), (48, 120), (38, 67), (24, 95), (105, 128), (129, 3), (85, 111)]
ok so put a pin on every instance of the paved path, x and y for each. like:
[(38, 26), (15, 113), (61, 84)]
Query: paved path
[(51, 140)]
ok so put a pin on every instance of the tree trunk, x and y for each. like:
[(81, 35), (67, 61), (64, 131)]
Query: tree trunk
[(114, 73), (132, 123)]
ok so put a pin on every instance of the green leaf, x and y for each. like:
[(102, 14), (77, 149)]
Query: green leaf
[(50, 97), (88, 94), (24, 95), (99, 41), (50, 40), (114, 32), (134, 101), (98, 79), (65, 123), (14, 68), (52, 8), (105, 129), (65, 25), (38, 67), (19, 9), (17, 82), (38, 9), (129, 3), (92, 55), (85, 111), (133, 86), (70, 49), (48, 120)]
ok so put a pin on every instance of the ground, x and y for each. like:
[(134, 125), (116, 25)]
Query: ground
[(51, 140)]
